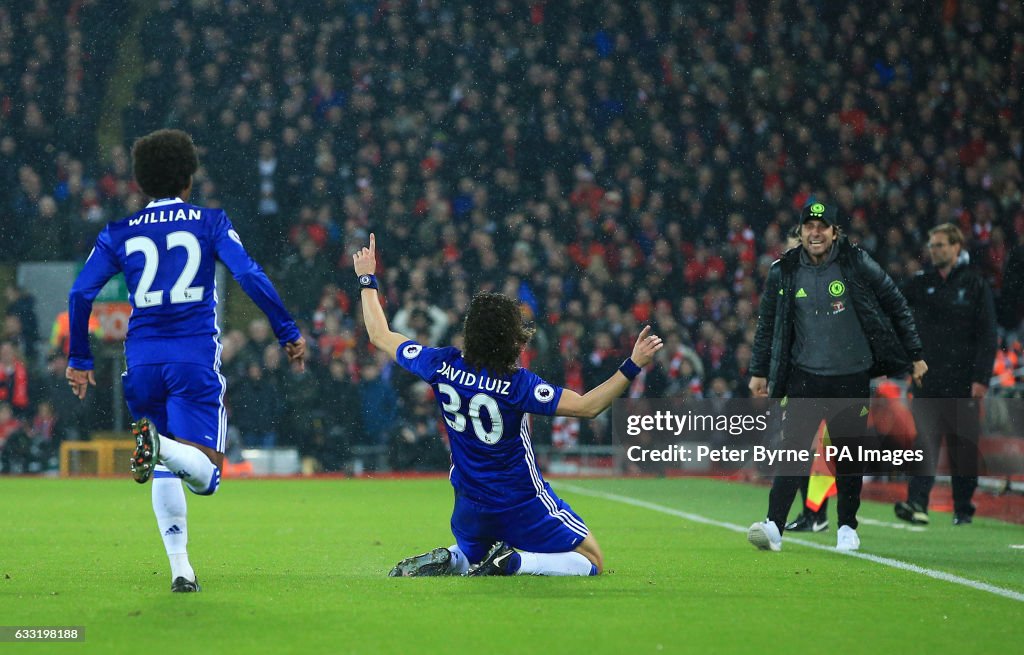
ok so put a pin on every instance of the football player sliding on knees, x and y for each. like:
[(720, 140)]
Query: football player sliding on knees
[(506, 519)]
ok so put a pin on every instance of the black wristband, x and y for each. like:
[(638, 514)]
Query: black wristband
[(368, 281), (629, 368)]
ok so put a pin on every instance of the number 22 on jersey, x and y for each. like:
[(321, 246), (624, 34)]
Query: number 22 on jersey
[(181, 291)]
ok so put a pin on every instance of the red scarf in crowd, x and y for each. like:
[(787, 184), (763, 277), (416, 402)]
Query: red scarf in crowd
[(16, 393)]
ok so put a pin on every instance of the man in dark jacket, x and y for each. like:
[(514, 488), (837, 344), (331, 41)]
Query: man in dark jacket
[(830, 320), (954, 310)]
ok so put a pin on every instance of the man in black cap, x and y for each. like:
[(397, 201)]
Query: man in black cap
[(953, 307), (830, 320)]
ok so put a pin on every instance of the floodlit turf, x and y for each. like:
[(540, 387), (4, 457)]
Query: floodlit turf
[(300, 566)]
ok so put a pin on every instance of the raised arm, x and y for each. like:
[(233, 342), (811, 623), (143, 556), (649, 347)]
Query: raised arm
[(600, 397), (381, 336)]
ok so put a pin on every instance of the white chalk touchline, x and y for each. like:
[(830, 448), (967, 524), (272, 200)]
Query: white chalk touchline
[(884, 561), (894, 526)]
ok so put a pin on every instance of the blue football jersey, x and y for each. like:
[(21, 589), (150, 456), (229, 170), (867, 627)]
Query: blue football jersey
[(168, 253), (493, 461)]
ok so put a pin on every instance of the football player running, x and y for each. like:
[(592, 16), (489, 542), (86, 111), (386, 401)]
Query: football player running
[(173, 386)]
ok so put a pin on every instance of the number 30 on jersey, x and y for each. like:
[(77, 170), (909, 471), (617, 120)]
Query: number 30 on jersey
[(453, 403)]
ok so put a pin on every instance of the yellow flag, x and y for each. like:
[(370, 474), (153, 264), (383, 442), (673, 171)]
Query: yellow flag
[(822, 483)]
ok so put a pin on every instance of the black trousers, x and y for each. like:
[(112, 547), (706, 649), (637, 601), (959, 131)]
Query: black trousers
[(847, 426), (958, 421), (822, 512)]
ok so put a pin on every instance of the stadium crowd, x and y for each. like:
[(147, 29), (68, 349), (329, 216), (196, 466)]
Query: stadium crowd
[(610, 163)]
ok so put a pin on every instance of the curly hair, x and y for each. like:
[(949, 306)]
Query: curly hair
[(164, 162), (495, 333)]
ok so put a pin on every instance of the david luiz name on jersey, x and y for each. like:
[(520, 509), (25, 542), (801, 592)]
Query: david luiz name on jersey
[(474, 381)]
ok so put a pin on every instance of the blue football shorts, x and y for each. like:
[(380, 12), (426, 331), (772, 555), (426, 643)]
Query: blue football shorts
[(183, 400), (544, 524)]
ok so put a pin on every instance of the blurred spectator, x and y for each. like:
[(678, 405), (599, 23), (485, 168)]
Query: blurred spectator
[(14, 381), (51, 387), (602, 361), (415, 444), (302, 403), (419, 317), (1011, 309), (334, 340), (22, 306), (256, 404), (343, 417), (43, 439), (303, 276), (258, 338), (15, 446), (379, 404)]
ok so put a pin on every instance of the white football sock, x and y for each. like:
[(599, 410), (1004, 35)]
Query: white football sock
[(171, 518), (570, 563), (460, 563), (190, 464)]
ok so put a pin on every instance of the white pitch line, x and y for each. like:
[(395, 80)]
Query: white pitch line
[(894, 526), (884, 561)]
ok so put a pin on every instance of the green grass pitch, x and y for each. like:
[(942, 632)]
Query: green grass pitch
[(300, 566)]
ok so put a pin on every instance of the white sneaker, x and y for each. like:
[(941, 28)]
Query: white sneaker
[(765, 536), (847, 538)]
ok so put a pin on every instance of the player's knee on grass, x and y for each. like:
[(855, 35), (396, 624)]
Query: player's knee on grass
[(592, 551), (598, 562)]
